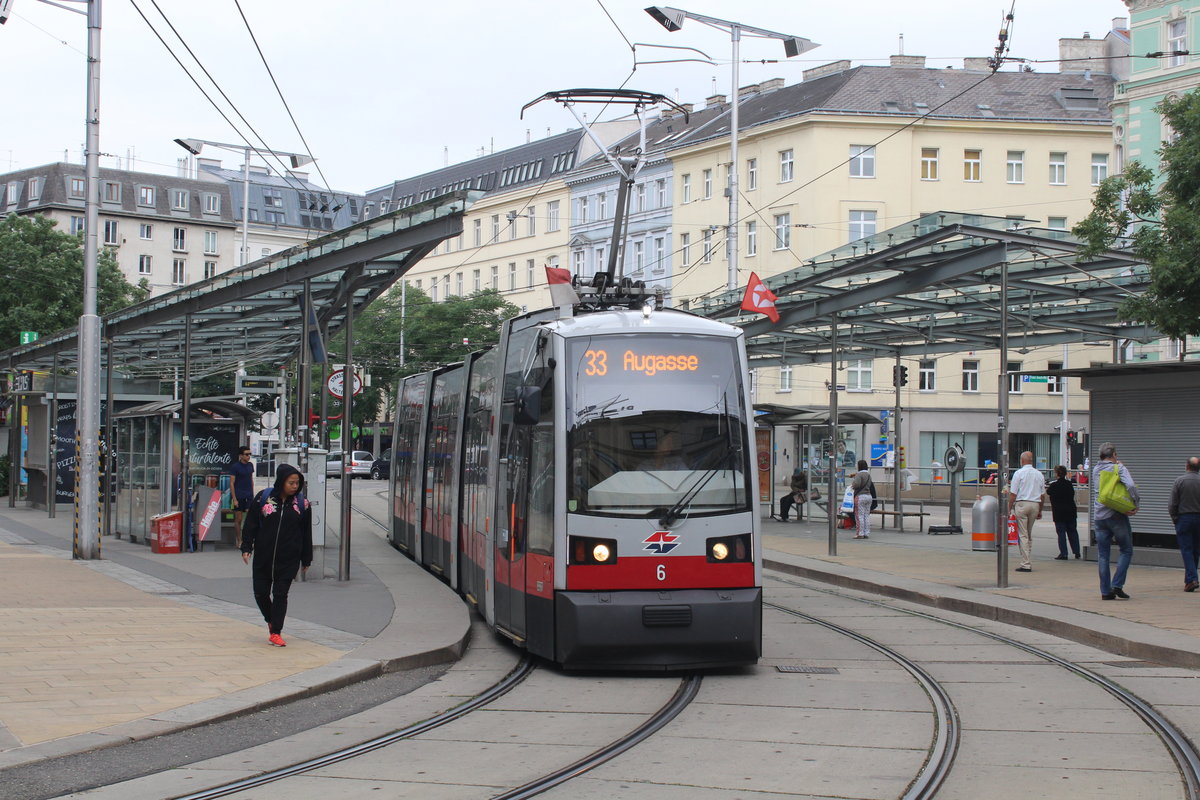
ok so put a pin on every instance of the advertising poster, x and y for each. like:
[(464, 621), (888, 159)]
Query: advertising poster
[(762, 438)]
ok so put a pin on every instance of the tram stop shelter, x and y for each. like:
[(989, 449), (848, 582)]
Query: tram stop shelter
[(945, 282), (254, 314)]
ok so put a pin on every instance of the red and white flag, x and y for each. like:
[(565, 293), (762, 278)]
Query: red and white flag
[(562, 293), (760, 299)]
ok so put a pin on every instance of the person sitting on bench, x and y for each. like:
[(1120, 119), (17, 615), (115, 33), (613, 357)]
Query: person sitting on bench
[(799, 486)]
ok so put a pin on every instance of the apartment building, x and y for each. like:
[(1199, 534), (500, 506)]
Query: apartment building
[(521, 224), (166, 231)]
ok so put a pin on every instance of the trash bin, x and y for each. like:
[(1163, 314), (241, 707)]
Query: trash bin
[(983, 523), (166, 533)]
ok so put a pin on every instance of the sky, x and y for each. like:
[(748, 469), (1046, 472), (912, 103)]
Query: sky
[(388, 89)]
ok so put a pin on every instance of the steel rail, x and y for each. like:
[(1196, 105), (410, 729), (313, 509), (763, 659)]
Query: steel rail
[(518, 674), (946, 728), (684, 695), (1186, 757)]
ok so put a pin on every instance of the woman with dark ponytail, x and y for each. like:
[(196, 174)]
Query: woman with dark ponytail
[(278, 532)]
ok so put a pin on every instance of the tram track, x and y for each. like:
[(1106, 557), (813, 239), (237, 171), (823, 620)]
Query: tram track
[(941, 757)]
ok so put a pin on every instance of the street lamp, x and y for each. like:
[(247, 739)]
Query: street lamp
[(672, 19), (194, 146), (87, 414)]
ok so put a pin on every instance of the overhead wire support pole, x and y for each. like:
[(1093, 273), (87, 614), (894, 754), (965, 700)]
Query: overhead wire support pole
[(1002, 425), (347, 439)]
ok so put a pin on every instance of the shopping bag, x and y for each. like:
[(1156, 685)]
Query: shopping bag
[(1113, 492), (848, 502)]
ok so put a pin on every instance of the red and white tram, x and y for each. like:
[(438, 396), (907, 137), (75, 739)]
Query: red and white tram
[(587, 484)]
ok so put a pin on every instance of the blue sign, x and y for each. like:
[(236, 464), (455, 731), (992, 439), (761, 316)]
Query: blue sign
[(877, 454)]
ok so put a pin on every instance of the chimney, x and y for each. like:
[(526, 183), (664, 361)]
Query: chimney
[(826, 69), (714, 100), (1083, 55), (912, 62), (977, 64), (1120, 23), (751, 89), (771, 85)]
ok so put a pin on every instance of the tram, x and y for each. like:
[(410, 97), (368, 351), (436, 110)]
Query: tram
[(587, 485)]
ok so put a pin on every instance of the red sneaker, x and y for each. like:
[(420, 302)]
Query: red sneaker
[(277, 640)]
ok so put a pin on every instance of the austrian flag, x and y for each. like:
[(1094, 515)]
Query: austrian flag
[(760, 299), (562, 293)]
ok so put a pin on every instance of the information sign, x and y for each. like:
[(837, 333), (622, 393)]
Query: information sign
[(256, 384), (335, 384), (29, 337), (1034, 379)]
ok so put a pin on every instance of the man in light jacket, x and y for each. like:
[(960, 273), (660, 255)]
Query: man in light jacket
[(1111, 524)]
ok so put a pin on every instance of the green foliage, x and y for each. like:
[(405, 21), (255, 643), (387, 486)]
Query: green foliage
[(41, 279), (1160, 224), (433, 335)]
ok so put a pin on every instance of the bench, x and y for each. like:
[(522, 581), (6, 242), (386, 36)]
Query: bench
[(899, 516)]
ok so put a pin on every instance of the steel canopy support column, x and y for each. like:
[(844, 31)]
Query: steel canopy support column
[(897, 503), (87, 419), (834, 504), (52, 459), (347, 439), (1002, 449), (185, 427), (109, 443), (303, 397)]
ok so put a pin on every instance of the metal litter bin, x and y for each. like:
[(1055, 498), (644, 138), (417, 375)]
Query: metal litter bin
[(983, 523)]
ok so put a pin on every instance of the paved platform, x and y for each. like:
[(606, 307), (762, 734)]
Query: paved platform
[(97, 653)]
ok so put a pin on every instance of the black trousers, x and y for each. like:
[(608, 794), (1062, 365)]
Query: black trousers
[(785, 504), (271, 594)]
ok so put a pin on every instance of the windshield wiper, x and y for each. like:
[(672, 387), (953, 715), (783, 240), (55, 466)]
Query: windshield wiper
[(674, 512)]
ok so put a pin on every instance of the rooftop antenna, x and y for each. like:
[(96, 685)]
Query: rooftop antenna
[(445, 155)]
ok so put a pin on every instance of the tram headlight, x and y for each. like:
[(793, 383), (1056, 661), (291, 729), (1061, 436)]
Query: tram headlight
[(729, 549), (591, 550)]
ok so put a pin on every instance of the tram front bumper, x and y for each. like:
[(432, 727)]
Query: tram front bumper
[(669, 630)]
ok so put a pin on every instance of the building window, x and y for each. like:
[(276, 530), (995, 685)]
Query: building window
[(862, 161), (751, 238), (1099, 167), (512, 225), (639, 256), (1014, 380), (77, 187), (178, 272), (639, 197), (112, 192), (210, 243), (145, 265), (433, 284), (110, 232), (751, 174), (660, 193), (531, 221), (212, 203), (1054, 383), (783, 231), (14, 192), (1056, 223), (35, 189), (145, 231), (1176, 41), (478, 232), (179, 240), (552, 216), (210, 269), (862, 224), (660, 253), (972, 165), (529, 267), (496, 276), (146, 196), (495, 228), (179, 200), (785, 378), (708, 245), (685, 183), (685, 248), (458, 282), (929, 163), (273, 198), (446, 286), (512, 275), (970, 376), (787, 167), (1058, 169), (927, 375), (580, 261), (76, 225), (1016, 166), (706, 182), (858, 374)]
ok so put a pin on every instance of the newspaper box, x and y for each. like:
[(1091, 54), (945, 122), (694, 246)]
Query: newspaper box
[(166, 533)]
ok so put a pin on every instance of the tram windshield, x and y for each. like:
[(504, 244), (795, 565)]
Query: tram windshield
[(656, 426)]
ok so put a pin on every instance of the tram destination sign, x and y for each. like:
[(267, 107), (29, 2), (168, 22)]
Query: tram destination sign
[(257, 384)]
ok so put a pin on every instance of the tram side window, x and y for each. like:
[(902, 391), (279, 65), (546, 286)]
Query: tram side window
[(541, 477)]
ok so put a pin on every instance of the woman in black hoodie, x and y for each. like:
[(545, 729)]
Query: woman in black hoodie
[(278, 531)]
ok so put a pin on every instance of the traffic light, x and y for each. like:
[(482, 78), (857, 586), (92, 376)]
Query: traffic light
[(900, 375), (1072, 437)]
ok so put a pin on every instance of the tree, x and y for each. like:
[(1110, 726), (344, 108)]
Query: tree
[(1165, 224), (41, 279), (434, 334)]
